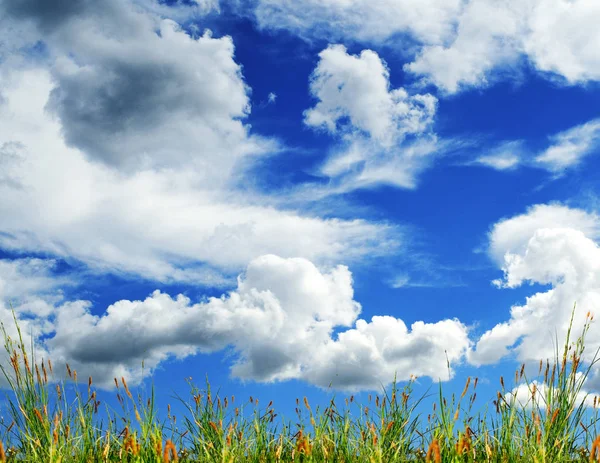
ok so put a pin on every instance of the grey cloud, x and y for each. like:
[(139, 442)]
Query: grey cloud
[(279, 322), (419, 348), (133, 90), (263, 363), (47, 14)]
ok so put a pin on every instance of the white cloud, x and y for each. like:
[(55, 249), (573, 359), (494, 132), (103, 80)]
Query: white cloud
[(536, 395), (120, 147), (29, 286), (505, 157), (563, 38), (139, 92), (372, 121), (549, 245), (428, 20), (31, 289), (458, 44), (486, 37), (358, 88), (570, 147), (512, 235), (504, 161), (565, 150), (171, 224), (556, 36), (279, 321)]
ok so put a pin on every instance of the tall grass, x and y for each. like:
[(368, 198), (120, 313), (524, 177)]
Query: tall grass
[(556, 422)]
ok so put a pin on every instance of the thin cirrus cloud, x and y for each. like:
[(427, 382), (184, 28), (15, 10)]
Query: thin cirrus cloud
[(504, 157), (383, 135), (428, 20), (570, 147), (567, 150), (458, 45)]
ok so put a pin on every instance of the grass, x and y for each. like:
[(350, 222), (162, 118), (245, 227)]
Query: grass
[(51, 424)]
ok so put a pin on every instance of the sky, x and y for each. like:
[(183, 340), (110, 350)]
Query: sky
[(299, 197)]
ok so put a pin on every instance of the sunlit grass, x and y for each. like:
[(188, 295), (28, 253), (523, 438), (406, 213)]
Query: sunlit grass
[(48, 423)]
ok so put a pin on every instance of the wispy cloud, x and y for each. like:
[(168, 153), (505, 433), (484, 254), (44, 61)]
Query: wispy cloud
[(570, 147), (505, 157), (566, 150)]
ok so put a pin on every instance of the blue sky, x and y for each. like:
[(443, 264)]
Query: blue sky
[(287, 195)]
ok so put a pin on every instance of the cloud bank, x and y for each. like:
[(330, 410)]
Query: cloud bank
[(457, 45), (278, 322)]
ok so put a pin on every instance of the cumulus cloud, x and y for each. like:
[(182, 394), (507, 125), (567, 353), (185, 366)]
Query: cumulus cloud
[(550, 245), (536, 395), (139, 92), (486, 37), (279, 321), (170, 225), (31, 290), (371, 120), (121, 146), (358, 88), (458, 44), (556, 36), (512, 235), (563, 36)]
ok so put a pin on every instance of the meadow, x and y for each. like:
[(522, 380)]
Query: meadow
[(53, 420)]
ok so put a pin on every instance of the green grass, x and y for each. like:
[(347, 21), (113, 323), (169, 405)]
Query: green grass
[(48, 423)]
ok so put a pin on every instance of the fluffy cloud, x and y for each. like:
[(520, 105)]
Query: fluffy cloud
[(535, 395), (458, 44), (139, 92), (31, 290), (358, 88), (184, 223), (562, 39), (556, 36), (279, 321), (549, 245), (486, 37), (372, 121), (512, 235)]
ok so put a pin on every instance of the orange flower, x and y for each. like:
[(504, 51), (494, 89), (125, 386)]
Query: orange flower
[(433, 454)]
